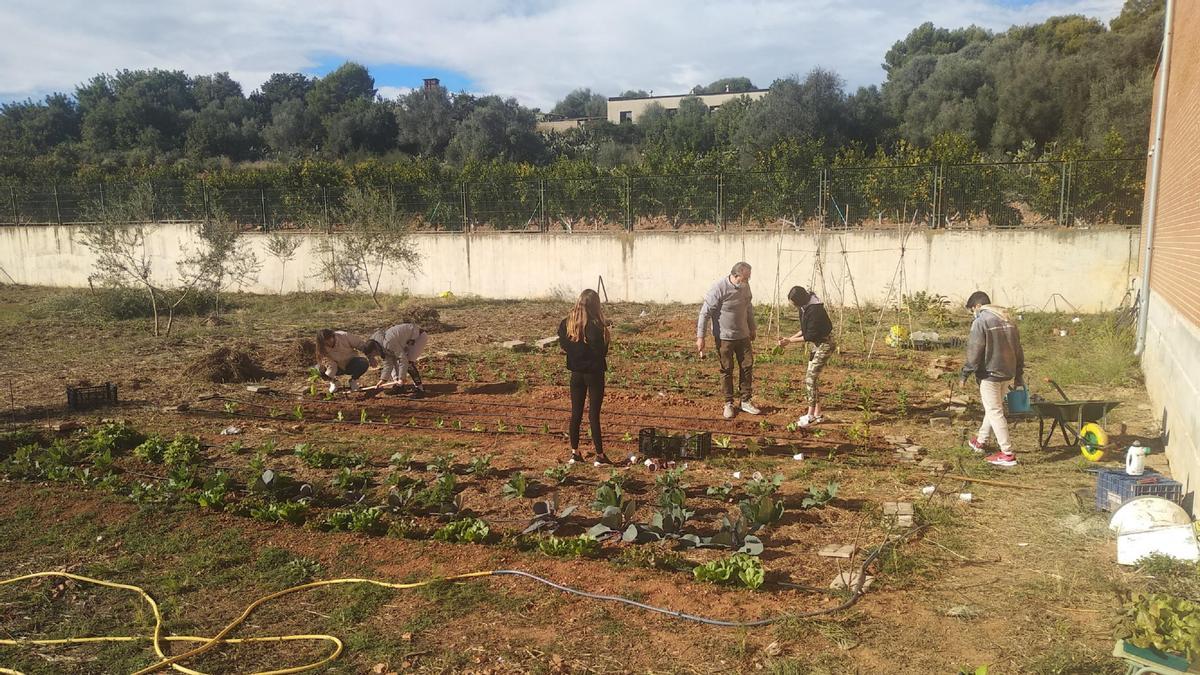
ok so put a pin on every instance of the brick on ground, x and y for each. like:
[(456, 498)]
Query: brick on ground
[(837, 550)]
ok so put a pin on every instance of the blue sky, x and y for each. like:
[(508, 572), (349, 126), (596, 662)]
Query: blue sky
[(534, 50), (391, 78)]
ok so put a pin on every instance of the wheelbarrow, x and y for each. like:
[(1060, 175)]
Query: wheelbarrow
[(1081, 422)]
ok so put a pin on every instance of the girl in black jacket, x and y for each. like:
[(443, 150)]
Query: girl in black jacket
[(584, 336), (817, 330)]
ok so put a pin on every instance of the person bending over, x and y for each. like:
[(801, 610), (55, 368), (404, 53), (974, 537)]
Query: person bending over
[(337, 353), (399, 347)]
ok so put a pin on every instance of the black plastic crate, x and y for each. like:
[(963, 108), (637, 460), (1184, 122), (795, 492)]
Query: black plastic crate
[(1114, 487), (87, 398), (696, 446), (651, 443)]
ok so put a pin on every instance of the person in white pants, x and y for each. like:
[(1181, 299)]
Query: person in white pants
[(995, 358), (399, 347)]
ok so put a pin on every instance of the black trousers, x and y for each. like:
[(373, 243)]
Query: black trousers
[(591, 387), (356, 367)]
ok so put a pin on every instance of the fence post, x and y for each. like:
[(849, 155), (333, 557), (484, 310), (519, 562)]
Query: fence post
[(1071, 180), (1062, 192), (102, 205), (720, 213), (262, 196), (204, 200), (822, 193), (325, 209), (938, 196), (628, 203), (542, 203), (463, 191), (57, 208), (12, 198)]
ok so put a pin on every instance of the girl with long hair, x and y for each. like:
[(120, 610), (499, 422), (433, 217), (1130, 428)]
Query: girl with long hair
[(584, 336)]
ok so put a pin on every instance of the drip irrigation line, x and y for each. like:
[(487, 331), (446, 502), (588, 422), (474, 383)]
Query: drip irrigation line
[(426, 416), (442, 398), (158, 639)]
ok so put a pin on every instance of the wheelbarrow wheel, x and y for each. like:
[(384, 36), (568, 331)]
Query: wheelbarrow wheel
[(1092, 440)]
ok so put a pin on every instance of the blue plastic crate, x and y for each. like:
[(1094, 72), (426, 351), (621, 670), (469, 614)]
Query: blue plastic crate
[(1114, 487)]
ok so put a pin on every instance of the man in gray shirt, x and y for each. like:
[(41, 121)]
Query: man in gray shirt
[(728, 313)]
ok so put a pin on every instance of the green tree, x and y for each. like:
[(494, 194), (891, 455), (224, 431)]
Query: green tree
[(350, 82), (726, 85), (792, 109), (278, 88), (425, 121), (294, 129), (582, 103), (215, 88), (497, 129), (362, 126), (224, 128), (28, 128)]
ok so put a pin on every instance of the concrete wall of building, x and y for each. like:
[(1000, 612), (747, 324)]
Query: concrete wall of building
[(1171, 364), (637, 106), (562, 126), (1090, 268), (1171, 361)]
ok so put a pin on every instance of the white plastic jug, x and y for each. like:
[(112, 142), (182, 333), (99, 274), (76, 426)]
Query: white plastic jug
[(1135, 459)]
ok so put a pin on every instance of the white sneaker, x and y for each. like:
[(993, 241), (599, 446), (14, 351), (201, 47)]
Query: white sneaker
[(729, 412), (332, 387), (354, 384), (749, 407), (807, 420)]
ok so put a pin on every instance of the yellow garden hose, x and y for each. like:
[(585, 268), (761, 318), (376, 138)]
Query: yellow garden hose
[(157, 638), (221, 638)]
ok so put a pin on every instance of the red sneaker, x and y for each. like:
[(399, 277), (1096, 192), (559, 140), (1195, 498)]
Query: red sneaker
[(1001, 459), (976, 445)]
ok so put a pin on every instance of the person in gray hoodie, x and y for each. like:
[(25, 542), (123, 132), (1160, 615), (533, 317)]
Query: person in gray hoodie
[(995, 358), (728, 314), (398, 347)]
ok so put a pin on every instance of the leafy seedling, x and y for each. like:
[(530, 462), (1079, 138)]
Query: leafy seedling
[(737, 569), (368, 520), (582, 546), (441, 464), (559, 473), (466, 530), (819, 496), (547, 516), (761, 512), (480, 466), (723, 491), (515, 487), (761, 487)]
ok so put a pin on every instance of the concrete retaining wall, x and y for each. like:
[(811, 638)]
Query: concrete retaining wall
[(1090, 268), (1171, 364)]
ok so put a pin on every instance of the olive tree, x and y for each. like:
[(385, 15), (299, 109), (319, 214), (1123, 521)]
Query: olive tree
[(374, 239)]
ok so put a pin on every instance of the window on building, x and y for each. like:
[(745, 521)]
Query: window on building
[(626, 115)]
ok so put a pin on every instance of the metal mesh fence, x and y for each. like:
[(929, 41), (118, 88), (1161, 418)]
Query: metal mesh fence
[(1001, 195)]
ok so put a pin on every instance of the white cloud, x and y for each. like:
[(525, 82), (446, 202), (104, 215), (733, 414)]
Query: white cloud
[(535, 50), (392, 93)]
